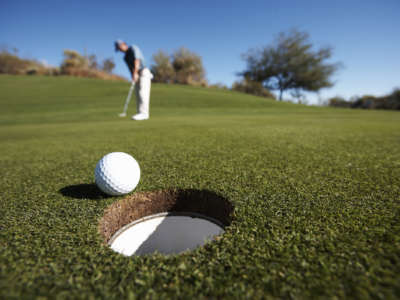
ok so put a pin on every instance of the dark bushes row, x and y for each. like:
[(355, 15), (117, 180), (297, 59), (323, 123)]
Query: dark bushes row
[(391, 101)]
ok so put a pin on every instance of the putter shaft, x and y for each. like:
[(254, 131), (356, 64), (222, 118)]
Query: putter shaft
[(128, 99)]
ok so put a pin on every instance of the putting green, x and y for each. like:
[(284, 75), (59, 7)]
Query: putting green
[(316, 193)]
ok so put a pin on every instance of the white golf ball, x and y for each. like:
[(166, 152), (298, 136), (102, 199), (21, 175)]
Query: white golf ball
[(117, 173)]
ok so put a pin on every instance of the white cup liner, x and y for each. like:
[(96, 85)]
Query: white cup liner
[(165, 233)]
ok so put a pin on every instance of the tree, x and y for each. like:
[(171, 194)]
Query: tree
[(188, 67), (108, 65), (290, 64), (162, 68)]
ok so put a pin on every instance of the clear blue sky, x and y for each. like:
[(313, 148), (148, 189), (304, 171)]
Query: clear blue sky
[(365, 34)]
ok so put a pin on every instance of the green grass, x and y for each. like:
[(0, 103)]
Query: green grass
[(316, 193)]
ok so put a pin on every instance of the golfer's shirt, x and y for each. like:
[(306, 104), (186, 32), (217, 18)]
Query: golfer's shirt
[(131, 54)]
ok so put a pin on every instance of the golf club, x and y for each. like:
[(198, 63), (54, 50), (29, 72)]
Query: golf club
[(123, 114)]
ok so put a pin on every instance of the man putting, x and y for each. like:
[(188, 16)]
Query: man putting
[(141, 77)]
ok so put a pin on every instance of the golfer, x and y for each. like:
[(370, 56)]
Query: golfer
[(141, 76)]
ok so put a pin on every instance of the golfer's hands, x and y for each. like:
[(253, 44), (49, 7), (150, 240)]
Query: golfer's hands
[(135, 77)]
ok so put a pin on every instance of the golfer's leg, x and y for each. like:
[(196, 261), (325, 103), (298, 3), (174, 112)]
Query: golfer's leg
[(144, 95), (137, 89)]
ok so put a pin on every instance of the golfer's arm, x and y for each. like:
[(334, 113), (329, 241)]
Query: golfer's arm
[(136, 67)]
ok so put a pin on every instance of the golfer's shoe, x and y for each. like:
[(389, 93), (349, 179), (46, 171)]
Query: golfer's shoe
[(140, 117)]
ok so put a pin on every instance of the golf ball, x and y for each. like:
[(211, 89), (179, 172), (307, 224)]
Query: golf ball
[(117, 173)]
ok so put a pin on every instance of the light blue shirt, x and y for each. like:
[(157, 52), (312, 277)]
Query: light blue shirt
[(132, 54)]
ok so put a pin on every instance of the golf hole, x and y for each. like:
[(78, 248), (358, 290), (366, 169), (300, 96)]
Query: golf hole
[(167, 222)]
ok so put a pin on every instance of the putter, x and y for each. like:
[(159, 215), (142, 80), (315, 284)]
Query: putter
[(123, 114)]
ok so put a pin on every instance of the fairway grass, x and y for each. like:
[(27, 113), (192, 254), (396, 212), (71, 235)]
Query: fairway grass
[(316, 193)]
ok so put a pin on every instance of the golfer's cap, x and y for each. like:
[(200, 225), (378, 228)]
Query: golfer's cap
[(117, 43)]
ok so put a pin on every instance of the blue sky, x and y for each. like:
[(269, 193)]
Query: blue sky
[(365, 34)]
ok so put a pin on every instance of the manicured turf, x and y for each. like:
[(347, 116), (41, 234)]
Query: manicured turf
[(316, 193)]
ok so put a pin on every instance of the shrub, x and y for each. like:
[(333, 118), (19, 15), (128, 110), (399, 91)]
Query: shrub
[(365, 102), (182, 67), (339, 102), (75, 64), (391, 101), (108, 65), (219, 86), (73, 61), (162, 69), (188, 67), (12, 64), (252, 87)]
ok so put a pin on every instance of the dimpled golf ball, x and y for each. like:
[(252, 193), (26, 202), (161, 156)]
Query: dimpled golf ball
[(117, 173)]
